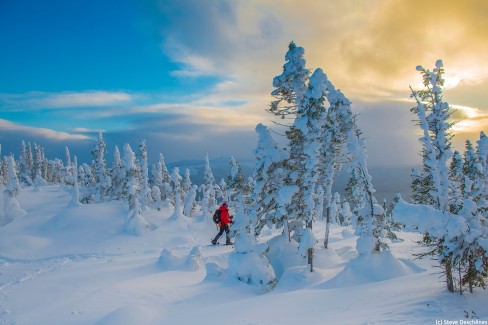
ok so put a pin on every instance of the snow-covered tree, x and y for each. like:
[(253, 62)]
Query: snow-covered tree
[(346, 214), (135, 223), (12, 209), (37, 165), (117, 175), (433, 114), (336, 209), (165, 187), (291, 84), (75, 199), (145, 192), (25, 173), (190, 201), (102, 181), (176, 185), (456, 177), (209, 182), (371, 222), (86, 180), (186, 184), (269, 175)]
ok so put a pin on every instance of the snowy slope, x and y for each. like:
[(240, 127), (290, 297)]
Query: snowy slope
[(65, 265)]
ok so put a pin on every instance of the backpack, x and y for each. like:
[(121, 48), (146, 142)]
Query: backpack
[(216, 216)]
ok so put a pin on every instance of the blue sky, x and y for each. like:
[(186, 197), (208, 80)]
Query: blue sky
[(195, 75)]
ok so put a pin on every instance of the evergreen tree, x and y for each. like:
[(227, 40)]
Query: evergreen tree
[(269, 176), (75, 199), (190, 202), (69, 170), (131, 182), (176, 185), (135, 223), (166, 191), (30, 161), (456, 177), (291, 84), (25, 174), (186, 184), (101, 179), (12, 209), (117, 175), (209, 182), (433, 114), (371, 222), (145, 192), (335, 209)]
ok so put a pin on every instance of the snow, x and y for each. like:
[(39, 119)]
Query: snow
[(75, 265)]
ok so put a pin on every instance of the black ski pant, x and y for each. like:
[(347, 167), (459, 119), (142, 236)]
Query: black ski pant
[(223, 228)]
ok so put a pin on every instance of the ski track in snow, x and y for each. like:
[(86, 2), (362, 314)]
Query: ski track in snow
[(51, 274)]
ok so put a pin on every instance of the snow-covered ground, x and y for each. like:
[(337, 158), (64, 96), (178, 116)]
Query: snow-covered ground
[(75, 265)]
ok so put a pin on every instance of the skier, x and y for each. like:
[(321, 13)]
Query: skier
[(224, 224)]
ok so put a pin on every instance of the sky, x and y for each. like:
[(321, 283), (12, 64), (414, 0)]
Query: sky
[(191, 76)]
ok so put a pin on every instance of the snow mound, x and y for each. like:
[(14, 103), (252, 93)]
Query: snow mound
[(141, 315), (283, 254), (168, 261), (297, 278), (372, 268), (214, 272)]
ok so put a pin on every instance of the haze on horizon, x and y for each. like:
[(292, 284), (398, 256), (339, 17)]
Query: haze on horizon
[(192, 76)]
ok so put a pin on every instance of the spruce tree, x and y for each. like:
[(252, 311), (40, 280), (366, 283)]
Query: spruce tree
[(145, 192), (433, 114), (101, 179), (117, 175)]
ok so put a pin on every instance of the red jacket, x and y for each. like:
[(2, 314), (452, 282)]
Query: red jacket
[(224, 215)]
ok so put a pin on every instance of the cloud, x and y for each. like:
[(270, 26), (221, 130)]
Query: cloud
[(7, 126), (368, 49), (42, 100)]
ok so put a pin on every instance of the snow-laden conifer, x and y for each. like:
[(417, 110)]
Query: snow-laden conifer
[(144, 192), (336, 209), (135, 223), (209, 182), (291, 84), (25, 173), (117, 175), (38, 163), (248, 262), (370, 219), (186, 183), (176, 185), (433, 114), (190, 202), (75, 198), (102, 181), (12, 209), (269, 175), (456, 177)]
